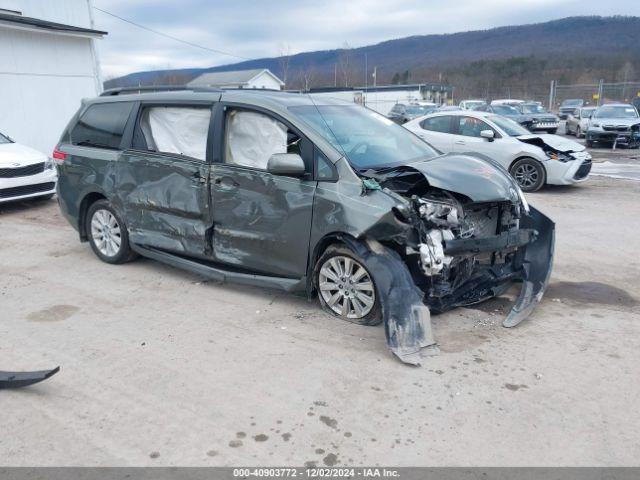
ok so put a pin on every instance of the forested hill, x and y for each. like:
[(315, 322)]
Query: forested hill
[(574, 49)]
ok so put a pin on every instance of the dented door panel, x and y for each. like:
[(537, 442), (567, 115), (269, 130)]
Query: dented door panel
[(165, 200), (261, 221)]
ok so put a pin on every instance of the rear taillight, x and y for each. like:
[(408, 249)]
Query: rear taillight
[(59, 156)]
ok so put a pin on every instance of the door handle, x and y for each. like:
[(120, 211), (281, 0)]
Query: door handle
[(460, 142)]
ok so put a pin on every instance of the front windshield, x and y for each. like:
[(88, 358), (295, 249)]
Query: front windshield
[(510, 127), (618, 111), (572, 103), (4, 139), (533, 108), (367, 139), (472, 105), (505, 110)]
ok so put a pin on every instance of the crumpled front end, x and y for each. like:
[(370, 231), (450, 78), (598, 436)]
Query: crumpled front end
[(459, 251), (467, 254)]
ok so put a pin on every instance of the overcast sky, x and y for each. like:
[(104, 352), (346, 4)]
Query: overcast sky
[(255, 29)]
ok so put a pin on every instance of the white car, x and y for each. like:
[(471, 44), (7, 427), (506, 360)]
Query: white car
[(24, 172), (578, 121), (507, 101), (472, 104), (532, 159)]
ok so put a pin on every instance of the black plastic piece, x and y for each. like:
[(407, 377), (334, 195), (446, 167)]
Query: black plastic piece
[(24, 379)]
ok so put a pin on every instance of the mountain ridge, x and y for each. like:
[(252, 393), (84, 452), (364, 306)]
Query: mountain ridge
[(588, 45)]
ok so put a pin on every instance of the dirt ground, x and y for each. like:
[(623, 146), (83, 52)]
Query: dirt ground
[(162, 368)]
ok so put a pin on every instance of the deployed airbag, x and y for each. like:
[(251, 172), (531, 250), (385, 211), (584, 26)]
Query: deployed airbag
[(177, 130), (252, 138)]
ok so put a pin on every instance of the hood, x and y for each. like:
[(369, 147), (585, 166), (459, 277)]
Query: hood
[(478, 179), (522, 118), (14, 155), (616, 121), (556, 142)]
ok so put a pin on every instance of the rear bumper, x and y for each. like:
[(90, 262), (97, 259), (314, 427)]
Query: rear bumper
[(21, 188)]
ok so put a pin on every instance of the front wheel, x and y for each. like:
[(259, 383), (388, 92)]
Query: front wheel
[(345, 287), (567, 131), (529, 173), (108, 234), (579, 132)]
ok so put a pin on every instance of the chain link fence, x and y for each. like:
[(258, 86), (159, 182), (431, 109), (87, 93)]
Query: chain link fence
[(594, 93)]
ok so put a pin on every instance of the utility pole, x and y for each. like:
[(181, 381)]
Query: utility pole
[(366, 79), (335, 75), (551, 94)]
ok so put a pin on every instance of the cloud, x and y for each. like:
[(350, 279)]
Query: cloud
[(254, 29)]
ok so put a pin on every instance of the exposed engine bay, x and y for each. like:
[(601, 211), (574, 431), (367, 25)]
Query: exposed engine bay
[(460, 251)]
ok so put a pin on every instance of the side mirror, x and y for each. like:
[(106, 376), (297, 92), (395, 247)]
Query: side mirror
[(488, 134), (287, 164)]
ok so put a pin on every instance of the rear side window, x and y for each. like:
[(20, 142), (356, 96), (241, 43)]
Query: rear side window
[(174, 129), (437, 124), (102, 125)]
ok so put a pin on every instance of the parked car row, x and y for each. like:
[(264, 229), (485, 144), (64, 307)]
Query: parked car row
[(531, 115), (532, 159)]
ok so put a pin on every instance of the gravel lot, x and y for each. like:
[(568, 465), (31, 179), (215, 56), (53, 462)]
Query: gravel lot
[(162, 368)]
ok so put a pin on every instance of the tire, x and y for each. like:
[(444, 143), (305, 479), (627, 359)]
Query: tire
[(566, 130), (326, 278), (578, 132), (552, 131), (108, 234), (589, 143), (529, 173)]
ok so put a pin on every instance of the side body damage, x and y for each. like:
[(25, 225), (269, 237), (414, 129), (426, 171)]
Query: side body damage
[(454, 231), (434, 231), (24, 379)]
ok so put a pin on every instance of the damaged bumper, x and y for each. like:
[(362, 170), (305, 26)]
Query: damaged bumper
[(536, 266)]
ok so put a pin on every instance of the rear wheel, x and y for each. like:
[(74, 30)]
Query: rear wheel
[(345, 287), (529, 173), (108, 234)]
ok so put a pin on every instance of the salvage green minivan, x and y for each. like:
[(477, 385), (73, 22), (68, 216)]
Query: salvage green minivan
[(301, 193)]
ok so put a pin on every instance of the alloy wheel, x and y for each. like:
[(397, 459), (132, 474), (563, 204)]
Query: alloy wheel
[(346, 287), (105, 232), (526, 175)]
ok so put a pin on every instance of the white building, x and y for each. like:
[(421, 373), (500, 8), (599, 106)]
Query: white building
[(48, 63), (259, 78)]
